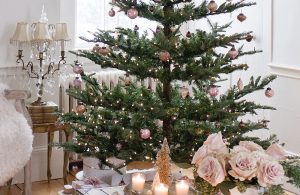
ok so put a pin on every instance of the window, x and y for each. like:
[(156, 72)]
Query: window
[(93, 14)]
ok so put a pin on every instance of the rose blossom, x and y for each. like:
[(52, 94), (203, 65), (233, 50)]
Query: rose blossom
[(276, 151), (213, 144), (243, 165), (270, 173), (211, 170), (201, 153), (250, 145), (261, 156), (238, 149), (216, 143)]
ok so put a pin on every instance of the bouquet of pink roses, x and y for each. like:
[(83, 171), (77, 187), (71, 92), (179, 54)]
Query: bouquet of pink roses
[(241, 166)]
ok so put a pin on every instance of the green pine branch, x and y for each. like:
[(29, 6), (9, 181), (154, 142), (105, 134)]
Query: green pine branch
[(167, 15)]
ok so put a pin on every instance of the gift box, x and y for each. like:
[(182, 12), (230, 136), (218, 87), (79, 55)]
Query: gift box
[(88, 185), (91, 169)]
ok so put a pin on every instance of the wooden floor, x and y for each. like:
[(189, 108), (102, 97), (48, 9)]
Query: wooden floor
[(38, 188)]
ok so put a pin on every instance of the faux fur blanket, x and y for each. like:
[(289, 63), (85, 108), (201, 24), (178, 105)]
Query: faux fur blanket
[(15, 139)]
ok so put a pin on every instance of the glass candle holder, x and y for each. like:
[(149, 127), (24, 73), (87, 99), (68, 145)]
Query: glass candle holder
[(138, 182), (161, 189), (182, 187)]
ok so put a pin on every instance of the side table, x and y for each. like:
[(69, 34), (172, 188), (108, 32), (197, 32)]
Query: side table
[(44, 121)]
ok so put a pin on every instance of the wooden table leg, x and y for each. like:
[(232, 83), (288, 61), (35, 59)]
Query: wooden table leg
[(66, 160), (27, 179), (9, 182), (50, 141)]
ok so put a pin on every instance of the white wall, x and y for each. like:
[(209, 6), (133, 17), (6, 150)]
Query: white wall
[(257, 63), (276, 33), (285, 60), (14, 11), (11, 12)]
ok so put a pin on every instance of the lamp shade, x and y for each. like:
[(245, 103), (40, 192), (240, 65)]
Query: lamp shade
[(41, 32), (61, 32), (21, 34)]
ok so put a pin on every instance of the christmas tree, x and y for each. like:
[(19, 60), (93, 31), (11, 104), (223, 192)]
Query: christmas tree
[(131, 121)]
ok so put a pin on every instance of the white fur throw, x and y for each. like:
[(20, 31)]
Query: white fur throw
[(15, 139)]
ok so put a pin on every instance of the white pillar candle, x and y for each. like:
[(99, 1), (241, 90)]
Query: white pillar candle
[(182, 188), (161, 189), (138, 182)]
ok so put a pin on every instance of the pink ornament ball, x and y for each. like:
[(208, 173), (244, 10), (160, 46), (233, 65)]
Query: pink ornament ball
[(104, 51), (213, 91), (159, 123), (77, 68), (77, 82), (112, 12), (80, 109), (164, 56), (233, 53), (269, 92), (240, 84), (132, 13), (145, 133), (119, 146)]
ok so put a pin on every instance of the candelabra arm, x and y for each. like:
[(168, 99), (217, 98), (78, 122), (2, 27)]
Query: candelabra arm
[(20, 58), (61, 61), (50, 68), (30, 71)]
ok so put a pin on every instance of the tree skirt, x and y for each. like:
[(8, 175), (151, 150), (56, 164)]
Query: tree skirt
[(15, 139)]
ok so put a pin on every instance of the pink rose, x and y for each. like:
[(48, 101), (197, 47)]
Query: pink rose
[(250, 146), (261, 156), (237, 149), (276, 151), (270, 173), (201, 153), (243, 165), (212, 170), (216, 143)]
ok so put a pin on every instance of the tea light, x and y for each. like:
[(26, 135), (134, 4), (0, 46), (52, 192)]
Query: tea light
[(138, 182), (161, 189), (182, 188)]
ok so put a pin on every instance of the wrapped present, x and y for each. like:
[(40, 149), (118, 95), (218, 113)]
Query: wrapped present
[(91, 169), (89, 183), (68, 189), (118, 190)]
